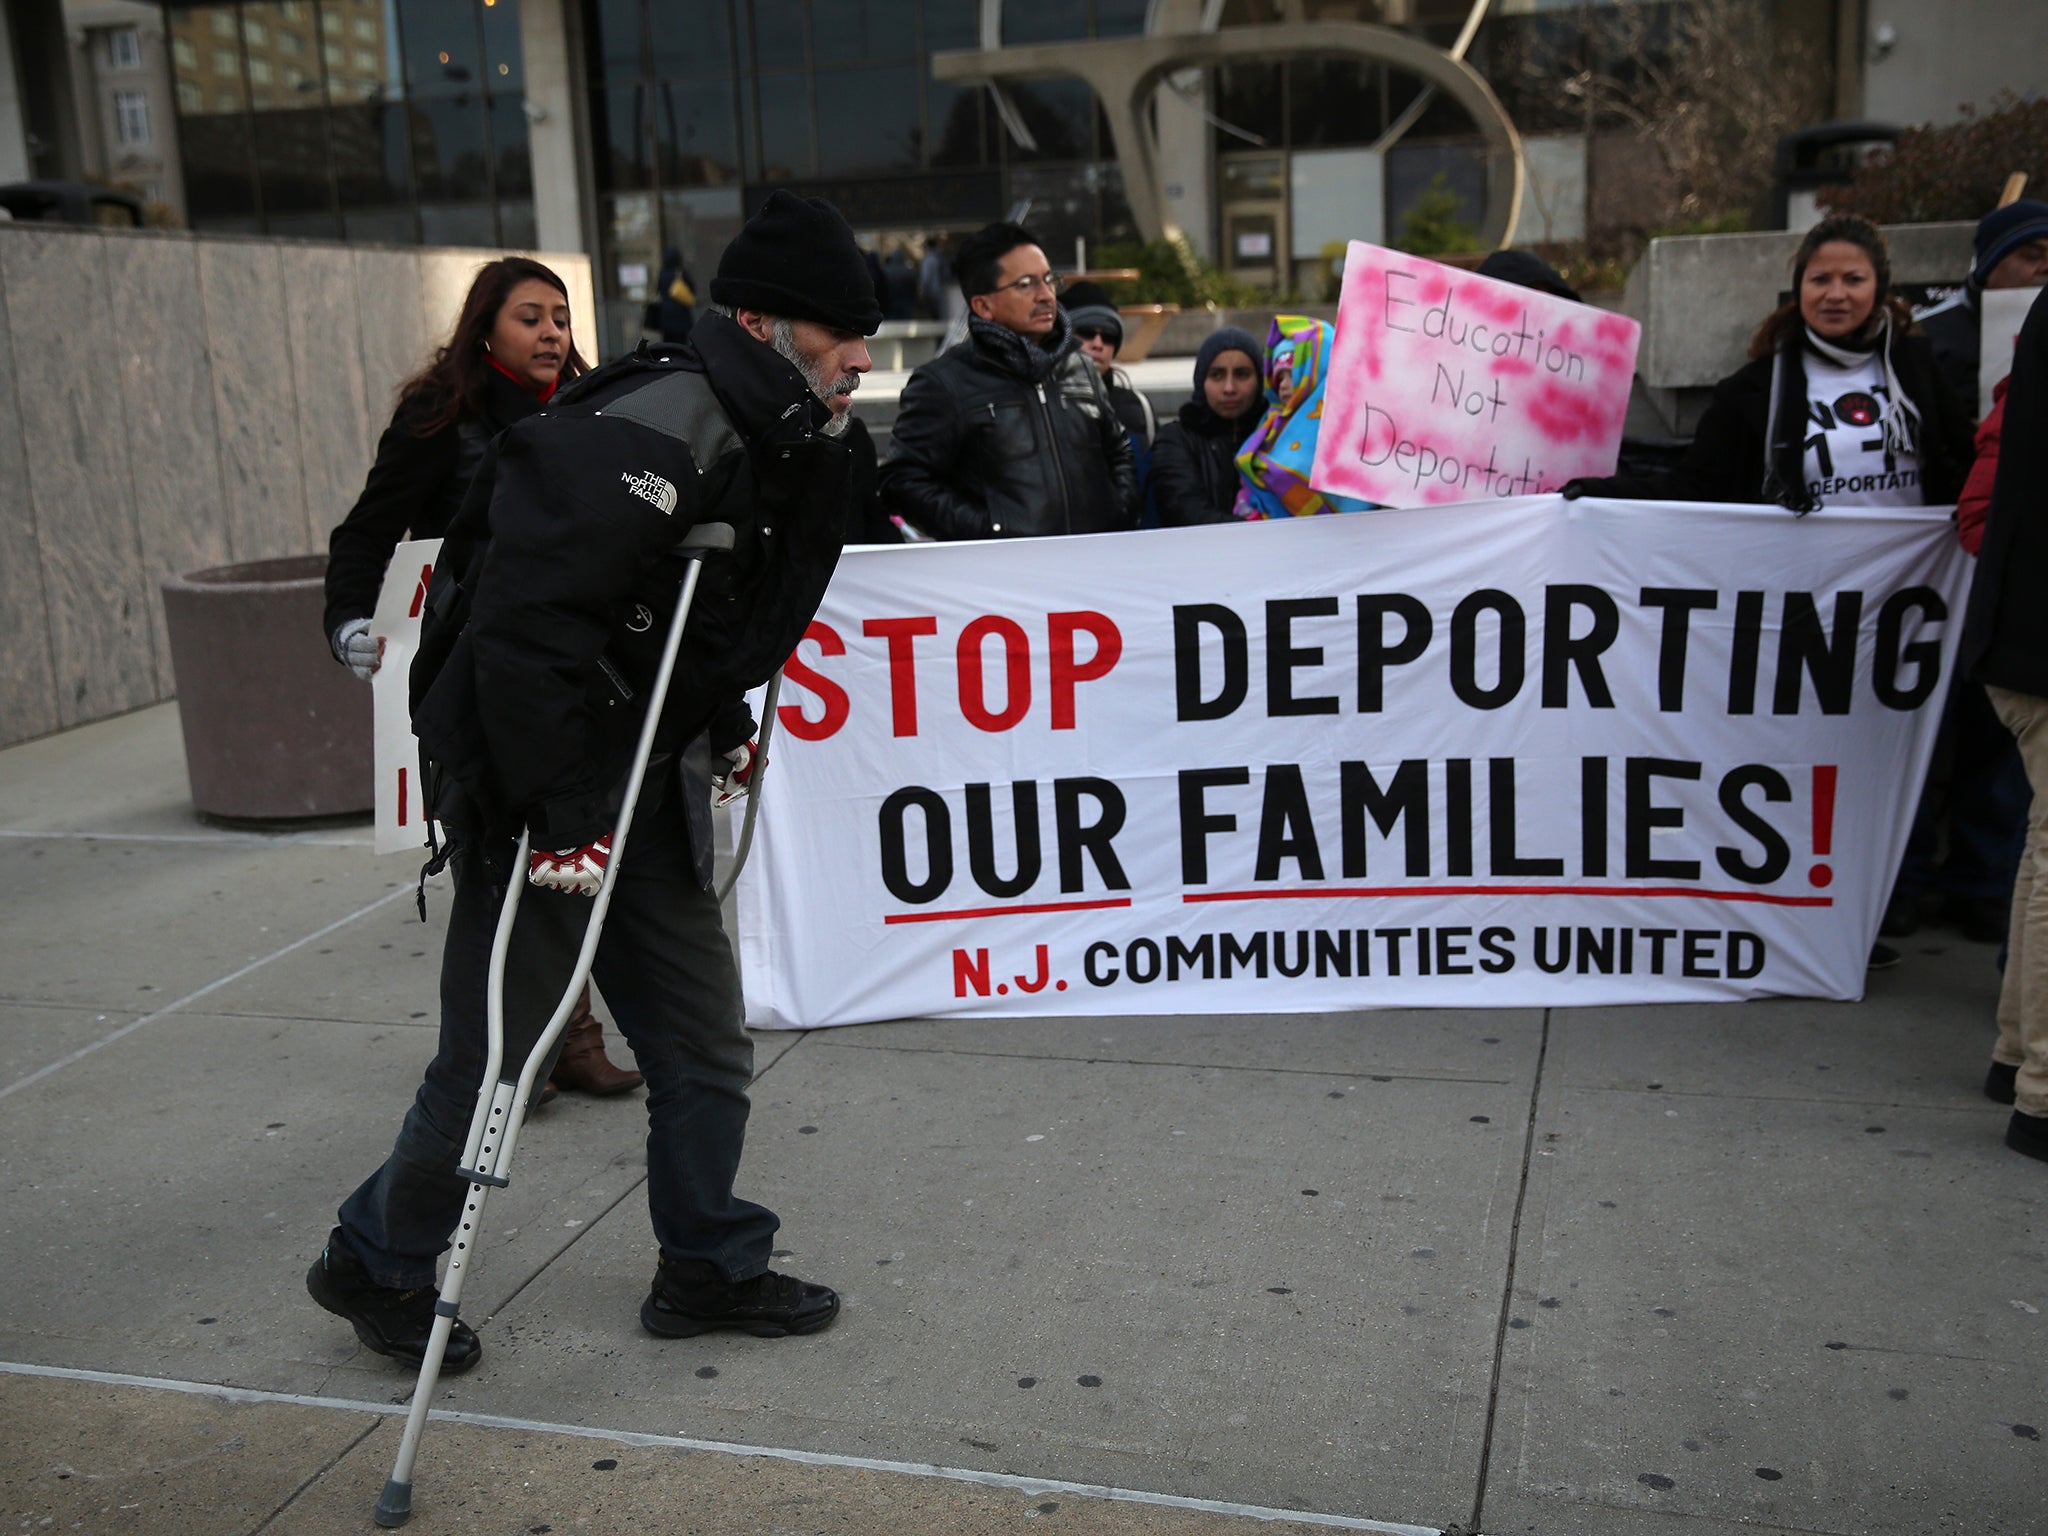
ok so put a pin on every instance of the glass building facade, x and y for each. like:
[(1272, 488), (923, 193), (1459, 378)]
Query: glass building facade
[(700, 108), (393, 121)]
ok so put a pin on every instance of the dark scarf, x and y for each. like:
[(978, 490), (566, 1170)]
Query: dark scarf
[(1032, 361)]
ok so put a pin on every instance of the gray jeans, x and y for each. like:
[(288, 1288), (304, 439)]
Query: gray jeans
[(667, 971)]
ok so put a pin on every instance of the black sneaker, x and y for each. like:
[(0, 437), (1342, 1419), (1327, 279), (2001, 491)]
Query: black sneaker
[(688, 1299), (392, 1322), (1883, 957), (2028, 1134), (2001, 1083)]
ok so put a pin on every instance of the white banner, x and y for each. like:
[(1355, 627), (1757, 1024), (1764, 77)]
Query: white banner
[(1519, 753), (401, 823)]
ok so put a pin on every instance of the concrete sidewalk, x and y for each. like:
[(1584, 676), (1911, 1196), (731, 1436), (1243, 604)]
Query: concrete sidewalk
[(1759, 1267)]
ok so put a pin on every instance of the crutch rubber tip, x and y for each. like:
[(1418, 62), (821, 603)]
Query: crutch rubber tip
[(395, 1508)]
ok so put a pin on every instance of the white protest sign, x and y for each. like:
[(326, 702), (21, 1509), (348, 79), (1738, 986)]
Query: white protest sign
[(1517, 754), (2001, 311), (401, 822), (1446, 386)]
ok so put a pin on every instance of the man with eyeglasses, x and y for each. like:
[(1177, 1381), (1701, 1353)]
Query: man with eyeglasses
[(1011, 433)]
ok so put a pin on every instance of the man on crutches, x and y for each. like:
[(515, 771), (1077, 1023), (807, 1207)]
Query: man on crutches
[(569, 560)]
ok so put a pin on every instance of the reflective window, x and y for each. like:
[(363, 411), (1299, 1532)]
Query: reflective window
[(954, 112), (441, 44), (785, 109), (847, 31), (372, 161), (618, 54), (509, 143), (1060, 115), (690, 37), (1045, 21), (696, 133), (951, 24), (868, 120), (618, 138), (450, 157), (779, 34), (1119, 18), (504, 67), (1334, 101)]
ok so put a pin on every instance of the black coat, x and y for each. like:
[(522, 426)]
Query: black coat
[(413, 491), (567, 555), (1000, 438), (2005, 636), (1194, 466), (1728, 460)]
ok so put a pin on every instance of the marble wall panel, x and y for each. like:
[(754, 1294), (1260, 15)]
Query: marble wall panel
[(445, 276), (28, 688), (166, 391), (392, 329), (62, 334), (327, 369), (249, 336)]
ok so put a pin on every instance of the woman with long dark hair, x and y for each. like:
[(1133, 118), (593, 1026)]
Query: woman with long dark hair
[(512, 346), (1841, 403)]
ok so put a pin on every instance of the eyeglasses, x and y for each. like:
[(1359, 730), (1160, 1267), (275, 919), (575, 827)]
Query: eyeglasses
[(1028, 285), (1097, 333)]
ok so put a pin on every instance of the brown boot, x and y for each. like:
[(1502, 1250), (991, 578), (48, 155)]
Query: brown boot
[(583, 1067)]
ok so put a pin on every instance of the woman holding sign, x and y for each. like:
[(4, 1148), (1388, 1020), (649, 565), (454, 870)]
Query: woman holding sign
[(512, 346), (1839, 405)]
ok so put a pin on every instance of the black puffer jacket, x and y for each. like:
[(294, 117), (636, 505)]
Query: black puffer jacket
[(1730, 461), (566, 559), (413, 491), (1001, 438), (1194, 466)]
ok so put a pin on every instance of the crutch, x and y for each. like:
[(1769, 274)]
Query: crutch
[(739, 852), (501, 1101)]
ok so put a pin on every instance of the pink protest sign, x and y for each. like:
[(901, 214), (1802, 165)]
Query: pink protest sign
[(1447, 386)]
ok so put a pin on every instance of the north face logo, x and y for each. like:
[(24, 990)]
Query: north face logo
[(651, 487)]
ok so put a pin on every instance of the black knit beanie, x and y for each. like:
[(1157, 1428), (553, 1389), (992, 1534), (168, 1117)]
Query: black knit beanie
[(797, 259)]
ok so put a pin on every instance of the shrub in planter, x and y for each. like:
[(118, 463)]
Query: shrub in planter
[(1953, 172)]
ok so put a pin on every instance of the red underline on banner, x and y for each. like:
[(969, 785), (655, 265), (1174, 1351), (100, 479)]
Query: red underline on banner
[(1044, 906), (1763, 897)]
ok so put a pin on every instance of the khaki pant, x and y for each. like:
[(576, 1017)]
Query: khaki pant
[(2023, 999)]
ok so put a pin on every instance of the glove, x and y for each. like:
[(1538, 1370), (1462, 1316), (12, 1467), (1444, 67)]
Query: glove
[(355, 648), (1572, 490), (579, 871), (738, 778)]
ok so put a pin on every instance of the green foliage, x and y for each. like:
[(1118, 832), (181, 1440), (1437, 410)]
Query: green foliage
[(1432, 227), (1169, 272), (1952, 172)]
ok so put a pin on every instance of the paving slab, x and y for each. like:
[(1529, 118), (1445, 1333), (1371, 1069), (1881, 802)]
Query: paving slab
[(1783, 1312), (102, 1457), (1496, 1046), (126, 924), (1258, 1286), (35, 1035)]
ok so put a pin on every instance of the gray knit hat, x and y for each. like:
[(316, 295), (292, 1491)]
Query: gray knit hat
[(1087, 304)]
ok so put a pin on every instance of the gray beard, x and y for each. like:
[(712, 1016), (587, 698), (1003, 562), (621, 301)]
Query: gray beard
[(782, 338)]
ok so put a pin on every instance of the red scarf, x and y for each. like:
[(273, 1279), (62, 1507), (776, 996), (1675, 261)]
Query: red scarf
[(542, 395)]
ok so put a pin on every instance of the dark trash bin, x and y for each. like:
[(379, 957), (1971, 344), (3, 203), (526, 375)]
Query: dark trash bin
[(275, 728)]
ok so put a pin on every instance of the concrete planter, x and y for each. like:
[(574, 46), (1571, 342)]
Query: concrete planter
[(275, 729)]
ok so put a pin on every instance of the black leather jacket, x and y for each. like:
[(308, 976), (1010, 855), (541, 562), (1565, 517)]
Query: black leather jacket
[(1194, 466), (1001, 438)]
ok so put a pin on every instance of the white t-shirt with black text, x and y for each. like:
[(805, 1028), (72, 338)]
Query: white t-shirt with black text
[(1846, 462)]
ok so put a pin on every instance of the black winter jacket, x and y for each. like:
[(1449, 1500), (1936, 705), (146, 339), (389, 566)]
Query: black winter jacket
[(567, 552), (413, 491), (2005, 635), (1001, 438), (1194, 466), (1728, 460)]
